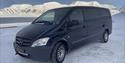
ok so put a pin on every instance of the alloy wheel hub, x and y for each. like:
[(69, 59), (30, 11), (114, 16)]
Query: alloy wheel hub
[(61, 53)]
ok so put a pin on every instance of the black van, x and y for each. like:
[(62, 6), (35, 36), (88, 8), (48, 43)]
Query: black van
[(56, 31)]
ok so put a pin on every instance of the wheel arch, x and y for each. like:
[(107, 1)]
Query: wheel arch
[(62, 41), (107, 30), (65, 43)]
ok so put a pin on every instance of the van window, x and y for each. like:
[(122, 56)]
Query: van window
[(94, 13), (52, 16), (76, 18), (91, 13), (49, 16)]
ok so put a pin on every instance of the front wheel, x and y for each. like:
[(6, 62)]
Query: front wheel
[(58, 53)]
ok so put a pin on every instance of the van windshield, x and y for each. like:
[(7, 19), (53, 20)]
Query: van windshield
[(52, 16)]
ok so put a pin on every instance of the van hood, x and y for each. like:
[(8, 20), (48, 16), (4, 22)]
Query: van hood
[(32, 31)]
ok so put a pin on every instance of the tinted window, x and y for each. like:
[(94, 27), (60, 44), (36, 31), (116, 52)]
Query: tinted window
[(94, 13), (76, 17)]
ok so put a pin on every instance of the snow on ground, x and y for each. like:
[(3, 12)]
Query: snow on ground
[(111, 52), (13, 25)]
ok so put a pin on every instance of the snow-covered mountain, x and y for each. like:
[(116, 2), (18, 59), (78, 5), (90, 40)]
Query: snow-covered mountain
[(112, 8), (123, 9), (27, 10)]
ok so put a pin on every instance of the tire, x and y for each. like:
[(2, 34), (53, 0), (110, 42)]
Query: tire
[(105, 37), (58, 53)]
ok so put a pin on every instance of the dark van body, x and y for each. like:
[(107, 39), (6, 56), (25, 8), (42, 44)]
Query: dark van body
[(56, 31)]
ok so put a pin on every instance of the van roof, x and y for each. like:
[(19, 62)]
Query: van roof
[(70, 7)]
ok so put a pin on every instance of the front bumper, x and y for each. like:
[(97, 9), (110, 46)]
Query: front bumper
[(42, 53)]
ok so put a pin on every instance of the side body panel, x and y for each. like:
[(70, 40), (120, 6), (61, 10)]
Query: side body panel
[(76, 32), (98, 20), (94, 21)]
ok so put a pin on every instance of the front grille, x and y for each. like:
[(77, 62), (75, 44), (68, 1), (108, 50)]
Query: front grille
[(23, 42)]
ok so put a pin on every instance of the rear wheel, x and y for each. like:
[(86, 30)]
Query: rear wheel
[(59, 52), (105, 37)]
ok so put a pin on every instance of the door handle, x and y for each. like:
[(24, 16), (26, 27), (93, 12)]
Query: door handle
[(84, 26), (103, 25)]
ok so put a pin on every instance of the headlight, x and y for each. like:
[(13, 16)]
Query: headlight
[(40, 42)]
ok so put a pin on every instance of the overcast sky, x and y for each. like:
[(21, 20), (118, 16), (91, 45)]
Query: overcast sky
[(7, 3)]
